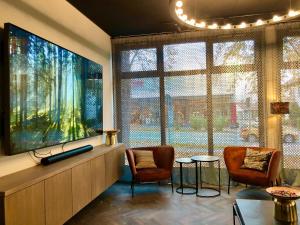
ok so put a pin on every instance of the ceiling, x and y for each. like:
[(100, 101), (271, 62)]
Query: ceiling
[(139, 17)]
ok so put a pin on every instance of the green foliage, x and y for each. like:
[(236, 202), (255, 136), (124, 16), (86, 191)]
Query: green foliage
[(198, 122), (298, 123), (176, 126), (220, 123), (294, 115)]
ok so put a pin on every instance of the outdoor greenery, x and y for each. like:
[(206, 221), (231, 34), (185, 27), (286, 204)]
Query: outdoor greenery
[(198, 122), (220, 123), (294, 115)]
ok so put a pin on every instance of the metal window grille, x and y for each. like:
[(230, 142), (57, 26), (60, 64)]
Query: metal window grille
[(289, 85), (197, 94)]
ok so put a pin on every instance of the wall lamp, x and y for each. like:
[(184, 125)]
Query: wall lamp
[(280, 108)]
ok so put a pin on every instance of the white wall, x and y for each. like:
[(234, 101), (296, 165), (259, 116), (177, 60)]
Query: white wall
[(59, 22)]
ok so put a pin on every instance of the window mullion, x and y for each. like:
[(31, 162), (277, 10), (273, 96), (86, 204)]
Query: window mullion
[(209, 65), (160, 72)]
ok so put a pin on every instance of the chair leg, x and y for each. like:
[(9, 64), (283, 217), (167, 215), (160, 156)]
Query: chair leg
[(228, 185), (132, 188), (172, 183)]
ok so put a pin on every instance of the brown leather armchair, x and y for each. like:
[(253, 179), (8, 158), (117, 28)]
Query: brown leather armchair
[(163, 158), (234, 159)]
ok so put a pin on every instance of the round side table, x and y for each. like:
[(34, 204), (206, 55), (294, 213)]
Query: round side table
[(206, 191), (180, 189)]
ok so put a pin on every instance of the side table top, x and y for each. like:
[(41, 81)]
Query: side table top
[(184, 160), (205, 158)]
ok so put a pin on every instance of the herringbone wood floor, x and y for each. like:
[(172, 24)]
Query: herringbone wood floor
[(153, 205)]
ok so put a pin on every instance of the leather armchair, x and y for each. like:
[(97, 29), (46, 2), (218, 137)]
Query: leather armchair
[(234, 159), (163, 158)]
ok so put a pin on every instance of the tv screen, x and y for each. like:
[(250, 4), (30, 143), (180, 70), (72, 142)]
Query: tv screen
[(53, 95)]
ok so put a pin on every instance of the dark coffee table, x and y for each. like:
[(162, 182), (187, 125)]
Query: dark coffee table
[(257, 212)]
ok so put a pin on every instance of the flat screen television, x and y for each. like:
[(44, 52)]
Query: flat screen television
[(51, 95)]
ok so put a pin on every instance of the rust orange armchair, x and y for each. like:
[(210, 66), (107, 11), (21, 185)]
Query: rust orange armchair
[(163, 158), (234, 159)]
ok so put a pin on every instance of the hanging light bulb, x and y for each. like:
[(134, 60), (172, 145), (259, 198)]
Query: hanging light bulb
[(184, 17), (179, 11), (259, 22), (243, 25), (227, 26), (293, 13), (213, 26), (179, 4), (201, 25), (276, 18)]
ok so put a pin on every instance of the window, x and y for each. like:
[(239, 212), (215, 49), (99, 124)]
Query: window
[(233, 53), (139, 60), (187, 56), (140, 112), (291, 49), (290, 85), (196, 96), (186, 112), (235, 109)]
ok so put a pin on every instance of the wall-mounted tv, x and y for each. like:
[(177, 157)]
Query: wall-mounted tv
[(52, 95)]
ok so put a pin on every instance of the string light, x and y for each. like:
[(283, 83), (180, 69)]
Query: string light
[(184, 17), (227, 26), (276, 18), (179, 4), (179, 12), (243, 25), (259, 22), (213, 26), (201, 25), (293, 13)]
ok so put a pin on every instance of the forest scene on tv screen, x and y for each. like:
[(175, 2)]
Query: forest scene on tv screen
[(55, 94)]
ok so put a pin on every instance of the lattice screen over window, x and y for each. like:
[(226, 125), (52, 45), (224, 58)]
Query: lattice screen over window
[(235, 95), (140, 112), (186, 112), (290, 92), (197, 96)]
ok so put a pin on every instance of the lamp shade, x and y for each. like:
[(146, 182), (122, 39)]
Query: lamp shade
[(280, 107)]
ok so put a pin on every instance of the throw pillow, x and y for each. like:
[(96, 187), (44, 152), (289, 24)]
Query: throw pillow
[(257, 160), (144, 159)]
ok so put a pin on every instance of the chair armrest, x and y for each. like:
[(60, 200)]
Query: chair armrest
[(234, 157), (131, 161), (274, 163)]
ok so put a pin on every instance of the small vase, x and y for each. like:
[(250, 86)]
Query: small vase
[(111, 137)]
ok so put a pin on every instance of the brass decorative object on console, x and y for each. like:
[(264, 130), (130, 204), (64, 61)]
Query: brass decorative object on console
[(285, 205), (111, 137)]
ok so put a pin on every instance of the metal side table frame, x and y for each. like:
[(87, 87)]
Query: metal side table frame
[(180, 189), (201, 159)]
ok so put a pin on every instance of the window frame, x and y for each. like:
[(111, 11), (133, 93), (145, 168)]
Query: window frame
[(208, 71)]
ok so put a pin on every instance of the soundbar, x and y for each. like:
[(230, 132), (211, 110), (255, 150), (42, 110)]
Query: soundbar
[(64, 155)]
